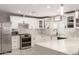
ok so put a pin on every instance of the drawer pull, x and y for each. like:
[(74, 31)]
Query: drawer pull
[(14, 41)]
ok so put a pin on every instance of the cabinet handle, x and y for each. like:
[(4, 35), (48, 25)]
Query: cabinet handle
[(14, 46), (14, 41)]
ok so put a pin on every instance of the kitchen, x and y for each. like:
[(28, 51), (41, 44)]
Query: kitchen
[(39, 29)]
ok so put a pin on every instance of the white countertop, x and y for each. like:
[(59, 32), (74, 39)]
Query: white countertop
[(67, 47)]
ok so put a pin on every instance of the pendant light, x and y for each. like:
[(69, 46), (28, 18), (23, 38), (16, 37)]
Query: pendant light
[(61, 10)]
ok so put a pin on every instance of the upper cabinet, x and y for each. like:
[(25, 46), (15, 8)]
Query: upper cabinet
[(40, 24), (44, 23), (77, 23), (73, 20), (70, 20), (47, 23), (32, 22), (15, 20), (77, 20)]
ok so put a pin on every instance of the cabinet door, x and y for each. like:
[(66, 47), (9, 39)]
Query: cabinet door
[(40, 24), (70, 21), (15, 42), (77, 23)]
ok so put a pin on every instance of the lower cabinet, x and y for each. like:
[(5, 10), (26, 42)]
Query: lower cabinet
[(15, 42), (40, 39)]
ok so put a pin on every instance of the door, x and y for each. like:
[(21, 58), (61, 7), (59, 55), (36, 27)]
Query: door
[(6, 37), (0, 37)]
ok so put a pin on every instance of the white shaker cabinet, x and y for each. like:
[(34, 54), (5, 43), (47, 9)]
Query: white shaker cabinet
[(16, 42)]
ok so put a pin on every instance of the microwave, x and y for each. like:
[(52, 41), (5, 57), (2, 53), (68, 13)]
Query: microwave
[(14, 32)]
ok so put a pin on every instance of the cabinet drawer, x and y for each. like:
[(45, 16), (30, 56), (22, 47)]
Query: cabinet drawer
[(15, 37), (17, 40), (15, 47), (15, 43)]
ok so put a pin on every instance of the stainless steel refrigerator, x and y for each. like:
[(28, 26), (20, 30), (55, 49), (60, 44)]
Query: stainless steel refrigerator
[(5, 38)]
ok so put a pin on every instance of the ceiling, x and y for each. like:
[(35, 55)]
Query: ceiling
[(37, 9)]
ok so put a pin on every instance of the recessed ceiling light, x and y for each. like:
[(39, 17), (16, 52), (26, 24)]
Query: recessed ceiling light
[(33, 12), (30, 13), (19, 11), (48, 7)]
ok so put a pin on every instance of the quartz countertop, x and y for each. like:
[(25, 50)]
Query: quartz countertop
[(67, 47)]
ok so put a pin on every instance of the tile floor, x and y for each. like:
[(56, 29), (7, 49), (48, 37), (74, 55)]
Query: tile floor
[(37, 50)]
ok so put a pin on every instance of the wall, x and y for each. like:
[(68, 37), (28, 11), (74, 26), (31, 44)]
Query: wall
[(33, 23), (4, 17)]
